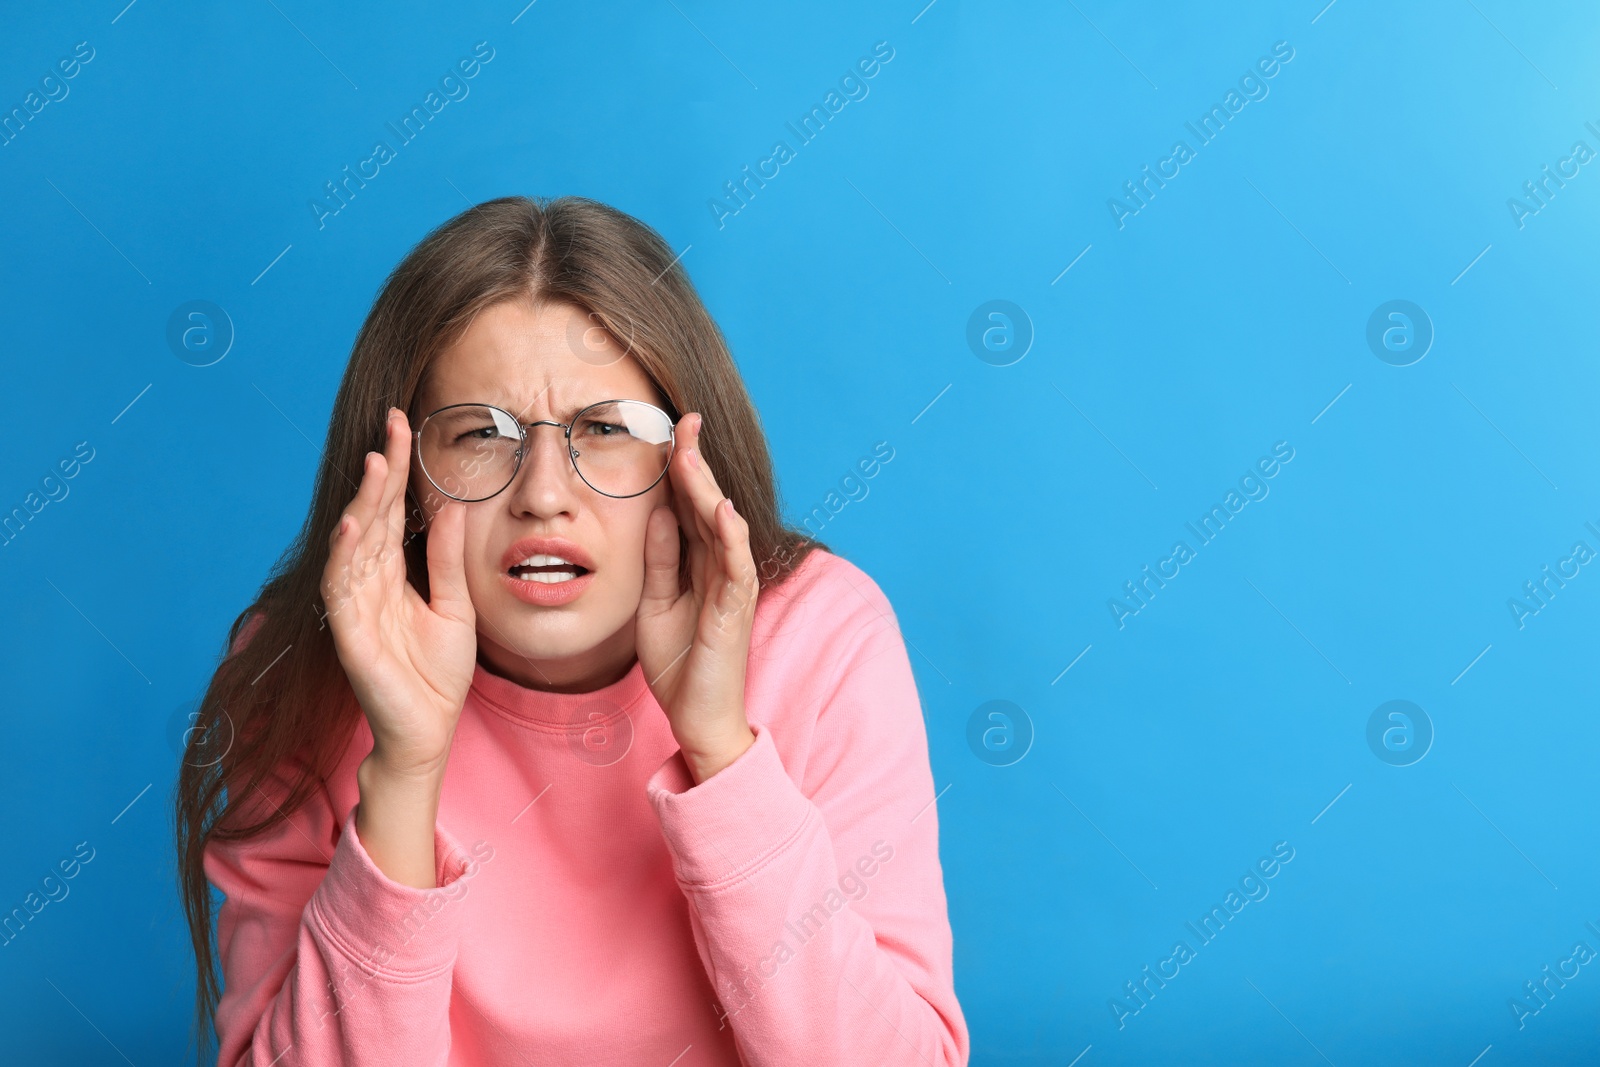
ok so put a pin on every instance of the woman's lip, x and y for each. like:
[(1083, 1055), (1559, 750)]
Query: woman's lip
[(547, 594), (553, 546)]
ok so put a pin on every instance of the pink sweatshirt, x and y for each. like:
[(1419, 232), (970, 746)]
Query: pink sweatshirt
[(594, 906)]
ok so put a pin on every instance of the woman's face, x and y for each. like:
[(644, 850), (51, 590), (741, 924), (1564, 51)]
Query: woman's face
[(547, 364)]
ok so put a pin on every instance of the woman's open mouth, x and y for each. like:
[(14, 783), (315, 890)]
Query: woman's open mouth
[(546, 569), (549, 587)]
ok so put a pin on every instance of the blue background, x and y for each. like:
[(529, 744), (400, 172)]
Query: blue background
[(1225, 316)]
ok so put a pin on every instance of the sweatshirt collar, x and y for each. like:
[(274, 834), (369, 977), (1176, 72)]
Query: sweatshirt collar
[(538, 708), (554, 711)]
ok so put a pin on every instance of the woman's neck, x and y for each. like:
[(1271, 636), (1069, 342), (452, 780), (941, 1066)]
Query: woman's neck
[(603, 665)]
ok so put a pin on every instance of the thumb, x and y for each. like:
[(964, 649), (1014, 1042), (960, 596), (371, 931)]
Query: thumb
[(660, 562), (447, 572)]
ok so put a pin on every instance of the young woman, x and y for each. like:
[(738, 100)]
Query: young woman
[(547, 741)]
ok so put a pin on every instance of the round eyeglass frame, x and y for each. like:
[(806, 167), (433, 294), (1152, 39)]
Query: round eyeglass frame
[(522, 446)]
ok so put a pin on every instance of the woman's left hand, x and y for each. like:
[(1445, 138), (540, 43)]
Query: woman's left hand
[(694, 647)]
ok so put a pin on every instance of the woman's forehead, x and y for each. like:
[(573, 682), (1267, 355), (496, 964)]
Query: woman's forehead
[(552, 384), (514, 353)]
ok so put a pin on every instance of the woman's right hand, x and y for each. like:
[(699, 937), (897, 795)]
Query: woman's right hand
[(410, 663)]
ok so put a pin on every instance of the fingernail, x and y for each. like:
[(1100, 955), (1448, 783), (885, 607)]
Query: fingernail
[(694, 457)]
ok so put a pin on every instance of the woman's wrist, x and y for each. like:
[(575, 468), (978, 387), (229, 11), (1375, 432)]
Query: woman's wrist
[(706, 760), (395, 821)]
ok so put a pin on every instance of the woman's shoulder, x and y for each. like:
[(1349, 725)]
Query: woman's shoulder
[(827, 648), (841, 578), (826, 600)]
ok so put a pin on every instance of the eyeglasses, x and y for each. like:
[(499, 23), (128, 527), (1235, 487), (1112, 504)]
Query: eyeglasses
[(471, 452)]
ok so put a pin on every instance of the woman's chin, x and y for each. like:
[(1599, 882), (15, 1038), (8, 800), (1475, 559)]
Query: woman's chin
[(524, 634)]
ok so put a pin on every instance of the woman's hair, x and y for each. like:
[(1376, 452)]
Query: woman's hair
[(289, 719)]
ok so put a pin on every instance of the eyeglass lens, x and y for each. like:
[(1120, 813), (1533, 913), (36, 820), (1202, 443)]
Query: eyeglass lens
[(620, 448)]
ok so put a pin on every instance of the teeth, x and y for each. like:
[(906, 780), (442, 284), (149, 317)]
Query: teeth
[(547, 577), (545, 561)]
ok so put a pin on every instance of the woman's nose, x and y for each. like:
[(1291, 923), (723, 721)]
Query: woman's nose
[(546, 466)]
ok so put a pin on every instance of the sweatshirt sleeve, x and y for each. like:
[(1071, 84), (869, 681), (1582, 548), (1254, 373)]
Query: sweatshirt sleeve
[(819, 912), (325, 960)]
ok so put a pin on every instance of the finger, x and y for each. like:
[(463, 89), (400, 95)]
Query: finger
[(338, 575), (699, 468), (694, 529), (394, 503), (719, 541), (660, 562), (697, 537), (365, 508), (741, 586), (379, 550), (364, 504), (379, 533), (447, 572), (736, 540), (693, 504), (700, 485), (335, 576), (705, 499)]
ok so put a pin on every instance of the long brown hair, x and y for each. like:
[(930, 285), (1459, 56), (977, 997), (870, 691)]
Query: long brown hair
[(288, 717)]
